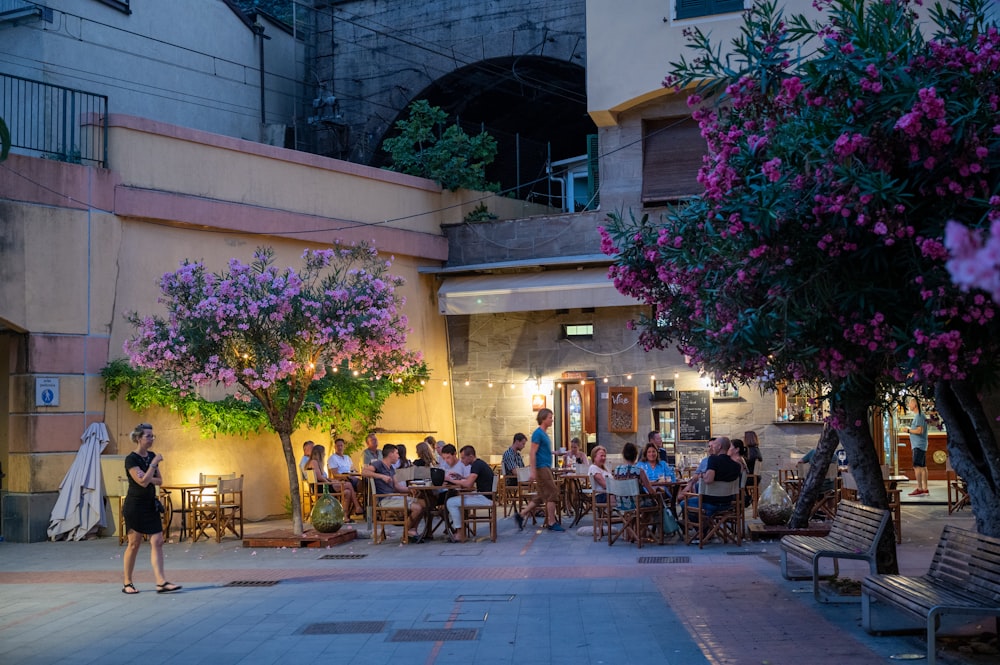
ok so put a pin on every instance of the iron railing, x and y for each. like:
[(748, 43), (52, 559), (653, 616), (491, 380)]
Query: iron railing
[(54, 122)]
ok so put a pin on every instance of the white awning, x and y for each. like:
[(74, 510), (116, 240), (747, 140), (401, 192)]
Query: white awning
[(530, 292)]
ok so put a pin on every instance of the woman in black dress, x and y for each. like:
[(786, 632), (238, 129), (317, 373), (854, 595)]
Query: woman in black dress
[(140, 511)]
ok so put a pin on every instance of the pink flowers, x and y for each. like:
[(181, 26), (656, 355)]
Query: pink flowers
[(975, 261), (261, 327)]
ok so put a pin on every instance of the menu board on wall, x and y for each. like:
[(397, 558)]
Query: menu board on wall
[(622, 410), (694, 415)]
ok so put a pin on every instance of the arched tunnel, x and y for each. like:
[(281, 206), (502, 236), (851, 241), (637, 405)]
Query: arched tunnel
[(534, 106)]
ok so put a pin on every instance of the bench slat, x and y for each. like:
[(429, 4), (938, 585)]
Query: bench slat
[(964, 577)]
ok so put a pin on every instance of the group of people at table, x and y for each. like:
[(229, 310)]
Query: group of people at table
[(463, 470)]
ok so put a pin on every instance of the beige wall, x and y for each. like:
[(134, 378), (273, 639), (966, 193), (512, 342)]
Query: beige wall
[(629, 48), (83, 246)]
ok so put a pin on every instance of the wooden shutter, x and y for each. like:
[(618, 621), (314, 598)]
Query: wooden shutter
[(672, 151)]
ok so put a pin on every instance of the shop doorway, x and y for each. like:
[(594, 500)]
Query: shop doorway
[(576, 398)]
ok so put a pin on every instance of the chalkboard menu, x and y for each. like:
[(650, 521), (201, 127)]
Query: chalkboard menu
[(694, 415)]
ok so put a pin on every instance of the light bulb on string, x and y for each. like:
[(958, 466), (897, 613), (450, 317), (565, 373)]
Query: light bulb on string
[(628, 377)]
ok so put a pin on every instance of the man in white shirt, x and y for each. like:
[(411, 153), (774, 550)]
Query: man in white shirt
[(453, 467), (341, 463)]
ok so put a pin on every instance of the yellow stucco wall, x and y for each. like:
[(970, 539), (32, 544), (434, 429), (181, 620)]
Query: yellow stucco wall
[(74, 266)]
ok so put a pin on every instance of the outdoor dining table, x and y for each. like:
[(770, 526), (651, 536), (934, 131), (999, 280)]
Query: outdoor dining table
[(574, 497), (184, 490), (429, 493), (671, 489)]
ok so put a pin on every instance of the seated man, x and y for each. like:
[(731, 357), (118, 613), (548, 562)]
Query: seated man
[(385, 483), (453, 467), (307, 448), (512, 460), (481, 478), (720, 468)]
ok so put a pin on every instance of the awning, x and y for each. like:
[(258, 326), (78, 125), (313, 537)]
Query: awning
[(530, 292)]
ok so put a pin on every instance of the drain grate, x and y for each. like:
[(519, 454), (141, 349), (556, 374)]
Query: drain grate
[(343, 556), (243, 583), (486, 598), (345, 628), (664, 559), (747, 552), (435, 635)]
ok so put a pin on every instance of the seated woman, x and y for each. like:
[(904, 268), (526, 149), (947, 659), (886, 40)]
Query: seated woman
[(655, 468), (425, 455), (598, 474), (631, 470), (575, 454), (316, 464)]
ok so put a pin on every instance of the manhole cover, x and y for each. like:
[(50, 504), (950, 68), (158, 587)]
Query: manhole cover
[(242, 583), (344, 628), (664, 559), (435, 635), (343, 556)]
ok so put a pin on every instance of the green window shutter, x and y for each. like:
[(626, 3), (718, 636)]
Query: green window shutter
[(593, 173), (696, 8)]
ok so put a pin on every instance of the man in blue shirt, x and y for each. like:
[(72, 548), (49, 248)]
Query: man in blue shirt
[(540, 464), (918, 444)]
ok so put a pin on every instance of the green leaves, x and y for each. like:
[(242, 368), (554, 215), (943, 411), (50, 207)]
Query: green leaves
[(446, 155)]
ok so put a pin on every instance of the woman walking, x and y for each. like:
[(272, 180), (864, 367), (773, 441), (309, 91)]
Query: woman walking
[(140, 511)]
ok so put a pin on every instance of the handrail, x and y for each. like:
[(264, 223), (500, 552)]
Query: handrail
[(55, 122)]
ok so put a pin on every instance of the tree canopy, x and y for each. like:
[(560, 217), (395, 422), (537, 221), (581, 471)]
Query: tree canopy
[(838, 150), (322, 346), (447, 155)]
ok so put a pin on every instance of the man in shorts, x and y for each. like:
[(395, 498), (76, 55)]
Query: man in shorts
[(540, 465)]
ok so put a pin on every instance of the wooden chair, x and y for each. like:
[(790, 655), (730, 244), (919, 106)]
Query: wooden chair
[(316, 489), (753, 490), (526, 491), (958, 490), (221, 510), (637, 520), (725, 523), (383, 516), (604, 514), (473, 514)]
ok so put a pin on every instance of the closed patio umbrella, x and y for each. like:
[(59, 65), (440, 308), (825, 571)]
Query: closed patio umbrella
[(79, 510)]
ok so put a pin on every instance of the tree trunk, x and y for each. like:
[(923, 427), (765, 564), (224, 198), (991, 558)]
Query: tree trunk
[(866, 467), (293, 480), (814, 480), (972, 450)]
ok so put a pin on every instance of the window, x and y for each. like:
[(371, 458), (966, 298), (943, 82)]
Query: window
[(578, 330), (696, 8), (120, 5), (672, 150)]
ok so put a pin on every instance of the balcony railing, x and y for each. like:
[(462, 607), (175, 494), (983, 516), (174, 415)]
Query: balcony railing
[(54, 122)]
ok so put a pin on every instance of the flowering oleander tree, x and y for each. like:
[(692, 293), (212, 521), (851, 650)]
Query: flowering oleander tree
[(274, 335), (837, 151)]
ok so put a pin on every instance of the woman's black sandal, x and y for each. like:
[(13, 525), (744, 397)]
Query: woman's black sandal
[(168, 587), (126, 587)]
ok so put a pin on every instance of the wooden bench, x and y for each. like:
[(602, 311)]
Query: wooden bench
[(854, 534), (964, 578)]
